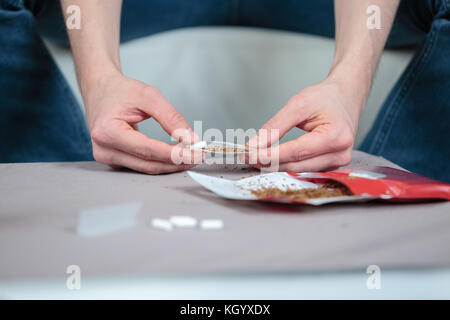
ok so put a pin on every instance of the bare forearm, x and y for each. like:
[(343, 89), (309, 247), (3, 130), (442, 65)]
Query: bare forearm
[(95, 46), (358, 48)]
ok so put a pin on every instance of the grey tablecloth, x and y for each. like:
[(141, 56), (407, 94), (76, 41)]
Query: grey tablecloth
[(40, 205)]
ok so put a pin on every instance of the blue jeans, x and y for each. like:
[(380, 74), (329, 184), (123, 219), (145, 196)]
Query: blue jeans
[(40, 119)]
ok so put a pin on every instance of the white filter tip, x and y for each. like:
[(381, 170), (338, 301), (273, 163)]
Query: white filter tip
[(162, 224), (215, 224), (183, 221)]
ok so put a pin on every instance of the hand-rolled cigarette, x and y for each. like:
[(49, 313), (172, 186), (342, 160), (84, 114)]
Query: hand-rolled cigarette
[(219, 147)]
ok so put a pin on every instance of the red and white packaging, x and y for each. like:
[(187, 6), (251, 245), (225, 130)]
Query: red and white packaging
[(365, 183)]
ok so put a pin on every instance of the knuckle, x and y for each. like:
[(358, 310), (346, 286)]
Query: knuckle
[(96, 134), (99, 135), (174, 117), (299, 100), (150, 91), (341, 140), (101, 156), (344, 159)]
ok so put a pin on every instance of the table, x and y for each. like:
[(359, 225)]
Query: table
[(40, 204)]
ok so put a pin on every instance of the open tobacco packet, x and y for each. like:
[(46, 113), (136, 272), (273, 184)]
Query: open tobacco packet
[(317, 188), (219, 147)]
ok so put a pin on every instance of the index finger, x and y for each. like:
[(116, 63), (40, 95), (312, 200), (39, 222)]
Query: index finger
[(157, 106), (133, 142), (322, 140), (274, 129), (307, 146)]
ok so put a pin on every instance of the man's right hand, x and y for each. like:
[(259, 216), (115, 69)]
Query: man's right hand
[(113, 110)]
